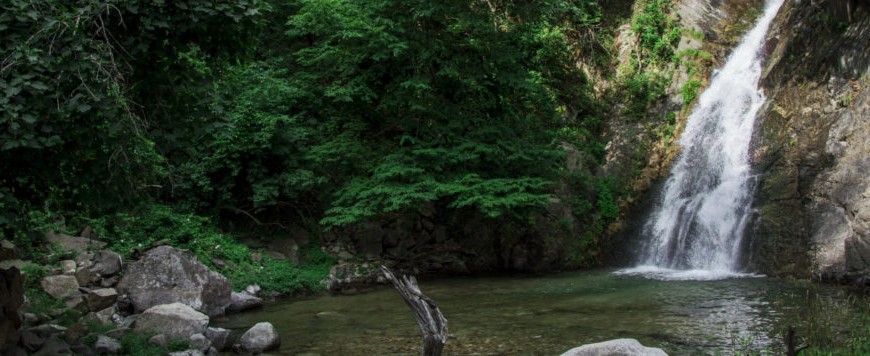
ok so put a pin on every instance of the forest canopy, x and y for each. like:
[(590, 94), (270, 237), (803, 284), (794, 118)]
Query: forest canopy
[(331, 111)]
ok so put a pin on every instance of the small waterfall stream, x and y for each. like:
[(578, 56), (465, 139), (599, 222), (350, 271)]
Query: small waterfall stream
[(697, 228)]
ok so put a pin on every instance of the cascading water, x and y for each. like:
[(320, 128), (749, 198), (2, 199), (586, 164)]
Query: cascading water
[(697, 229)]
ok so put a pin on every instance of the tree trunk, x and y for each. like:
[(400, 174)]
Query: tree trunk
[(433, 326)]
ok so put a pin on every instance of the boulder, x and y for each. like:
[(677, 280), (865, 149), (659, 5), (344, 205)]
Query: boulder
[(11, 300), (86, 278), (107, 346), (7, 251), (72, 243), (99, 299), (174, 320), (166, 275), (198, 342), (60, 287), (187, 353), (243, 301), (106, 263), (219, 338), (259, 338), (103, 316), (618, 347)]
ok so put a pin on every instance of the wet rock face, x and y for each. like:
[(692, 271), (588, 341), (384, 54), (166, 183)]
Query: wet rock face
[(166, 275), (814, 144), (11, 300)]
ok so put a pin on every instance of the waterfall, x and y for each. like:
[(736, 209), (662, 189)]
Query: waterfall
[(696, 229)]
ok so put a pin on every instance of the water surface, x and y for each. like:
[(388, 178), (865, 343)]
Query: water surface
[(548, 315)]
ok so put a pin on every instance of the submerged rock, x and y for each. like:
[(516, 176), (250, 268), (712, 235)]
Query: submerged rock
[(618, 347)]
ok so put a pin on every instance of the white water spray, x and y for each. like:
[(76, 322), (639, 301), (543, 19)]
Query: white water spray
[(697, 229)]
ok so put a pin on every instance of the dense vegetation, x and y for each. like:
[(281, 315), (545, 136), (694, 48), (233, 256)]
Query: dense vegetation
[(266, 115)]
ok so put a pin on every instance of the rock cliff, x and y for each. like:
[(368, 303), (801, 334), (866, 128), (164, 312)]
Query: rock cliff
[(813, 144)]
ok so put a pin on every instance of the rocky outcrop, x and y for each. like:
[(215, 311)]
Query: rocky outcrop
[(11, 300), (618, 347), (812, 144), (174, 320), (166, 274), (259, 338)]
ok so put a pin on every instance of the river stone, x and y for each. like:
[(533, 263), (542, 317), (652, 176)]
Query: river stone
[(166, 274), (99, 299), (60, 287), (219, 337), (107, 346), (106, 263), (243, 301), (260, 337), (618, 347), (174, 320)]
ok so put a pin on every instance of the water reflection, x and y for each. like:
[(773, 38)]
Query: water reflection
[(547, 315)]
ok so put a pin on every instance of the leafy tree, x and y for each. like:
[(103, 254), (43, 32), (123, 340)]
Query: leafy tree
[(454, 101), (72, 76)]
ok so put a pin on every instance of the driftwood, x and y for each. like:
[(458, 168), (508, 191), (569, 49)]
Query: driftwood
[(433, 326)]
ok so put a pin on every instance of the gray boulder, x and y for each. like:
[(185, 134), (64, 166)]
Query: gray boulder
[(260, 337), (618, 347), (103, 316), (99, 299), (243, 301), (106, 263), (219, 338), (174, 320), (60, 287), (107, 346), (166, 275), (187, 353)]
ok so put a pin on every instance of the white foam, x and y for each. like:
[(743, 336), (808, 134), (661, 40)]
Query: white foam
[(668, 274)]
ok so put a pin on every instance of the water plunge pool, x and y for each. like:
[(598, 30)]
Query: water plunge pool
[(547, 315)]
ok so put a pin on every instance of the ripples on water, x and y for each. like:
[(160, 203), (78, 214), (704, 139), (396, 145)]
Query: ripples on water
[(549, 315)]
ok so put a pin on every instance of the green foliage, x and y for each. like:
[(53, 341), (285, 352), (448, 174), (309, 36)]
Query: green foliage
[(73, 136), (138, 231), (596, 208), (690, 91), (136, 344), (656, 30), (641, 91)]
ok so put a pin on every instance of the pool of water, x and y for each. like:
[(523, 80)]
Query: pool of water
[(546, 315)]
